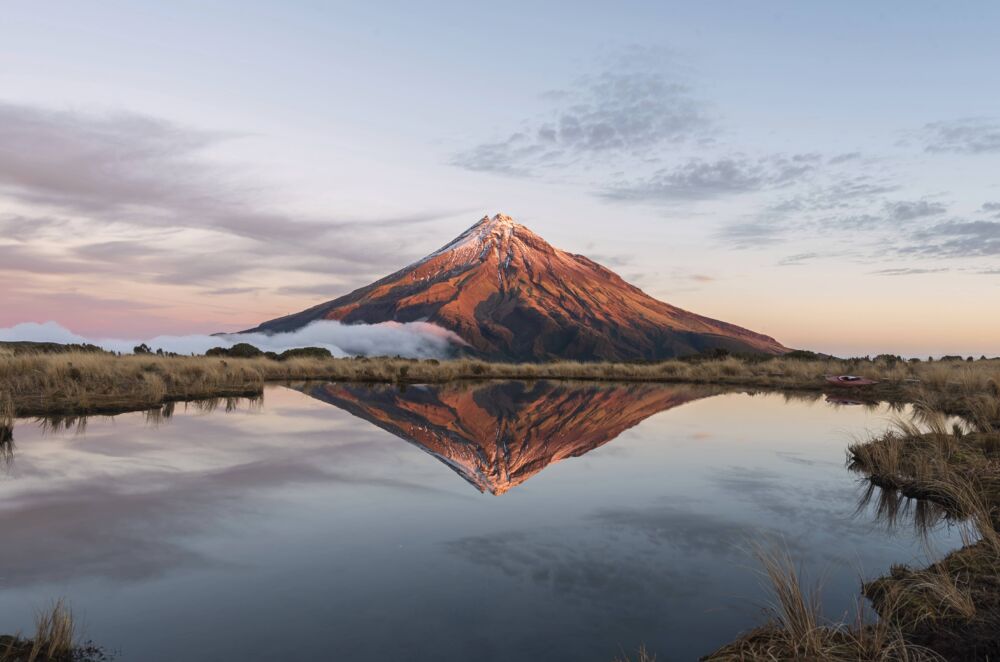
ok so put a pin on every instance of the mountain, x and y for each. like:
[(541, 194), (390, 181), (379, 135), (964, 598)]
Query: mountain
[(499, 434), (512, 296)]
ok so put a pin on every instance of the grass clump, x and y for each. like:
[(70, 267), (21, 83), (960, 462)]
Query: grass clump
[(797, 630), (952, 606), (55, 640)]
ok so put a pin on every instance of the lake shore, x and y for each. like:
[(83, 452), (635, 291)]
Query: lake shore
[(79, 383), (921, 473)]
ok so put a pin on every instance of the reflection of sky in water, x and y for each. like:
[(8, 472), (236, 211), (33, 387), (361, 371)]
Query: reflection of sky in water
[(297, 531)]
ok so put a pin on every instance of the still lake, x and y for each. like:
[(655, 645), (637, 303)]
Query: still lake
[(497, 521)]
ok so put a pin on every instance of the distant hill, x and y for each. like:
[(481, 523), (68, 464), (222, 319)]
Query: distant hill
[(512, 296)]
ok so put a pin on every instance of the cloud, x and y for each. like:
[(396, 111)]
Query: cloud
[(909, 210), (843, 158), (752, 234), (610, 260), (702, 179), (230, 291), (972, 135), (909, 271), (327, 290), (412, 339), (958, 239), (24, 228), (798, 259), (97, 162), (151, 181), (842, 192), (991, 208), (632, 108)]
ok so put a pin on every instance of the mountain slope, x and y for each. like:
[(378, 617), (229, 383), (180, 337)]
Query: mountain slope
[(511, 295), (500, 434)]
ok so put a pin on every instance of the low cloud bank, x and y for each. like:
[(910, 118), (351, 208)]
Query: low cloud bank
[(412, 339)]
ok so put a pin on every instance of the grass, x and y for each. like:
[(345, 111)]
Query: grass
[(952, 606), (55, 640), (87, 382), (797, 630)]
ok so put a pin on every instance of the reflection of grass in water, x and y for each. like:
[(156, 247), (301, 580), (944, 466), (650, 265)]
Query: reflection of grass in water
[(154, 416), (55, 424), (894, 509), (6, 448), (6, 430), (228, 404)]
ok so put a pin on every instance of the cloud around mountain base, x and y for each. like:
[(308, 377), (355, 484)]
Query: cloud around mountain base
[(411, 339)]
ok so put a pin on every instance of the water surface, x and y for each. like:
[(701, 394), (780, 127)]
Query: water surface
[(500, 521)]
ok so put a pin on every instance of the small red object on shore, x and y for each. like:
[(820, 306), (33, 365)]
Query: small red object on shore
[(850, 380)]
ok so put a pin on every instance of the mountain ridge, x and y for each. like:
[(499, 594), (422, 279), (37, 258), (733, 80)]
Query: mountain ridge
[(510, 295)]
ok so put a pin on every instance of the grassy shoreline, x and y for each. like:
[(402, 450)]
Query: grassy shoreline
[(86, 383), (949, 610)]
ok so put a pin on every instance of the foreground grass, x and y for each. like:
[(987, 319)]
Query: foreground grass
[(78, 383), (952, 606), (797, 631), (55, 640)]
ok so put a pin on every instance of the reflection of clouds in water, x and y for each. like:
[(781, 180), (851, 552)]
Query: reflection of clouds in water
[(804, 460), (132, 525), (893, 510), (687, 531), (816, 512), (54, 536), (777, 493), (590, 570), (623, 555)]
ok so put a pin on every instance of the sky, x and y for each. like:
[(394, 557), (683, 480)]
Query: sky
[(825, 173)]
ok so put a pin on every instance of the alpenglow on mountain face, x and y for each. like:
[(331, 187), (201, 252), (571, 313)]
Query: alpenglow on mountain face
[(510, 295)]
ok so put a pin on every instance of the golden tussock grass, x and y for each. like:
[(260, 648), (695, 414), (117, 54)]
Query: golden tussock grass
[(54, 639), (93, 382), (954, 604), (798, 631)]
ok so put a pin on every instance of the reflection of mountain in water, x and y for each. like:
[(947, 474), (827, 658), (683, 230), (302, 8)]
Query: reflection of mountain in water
[(497, 435)]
